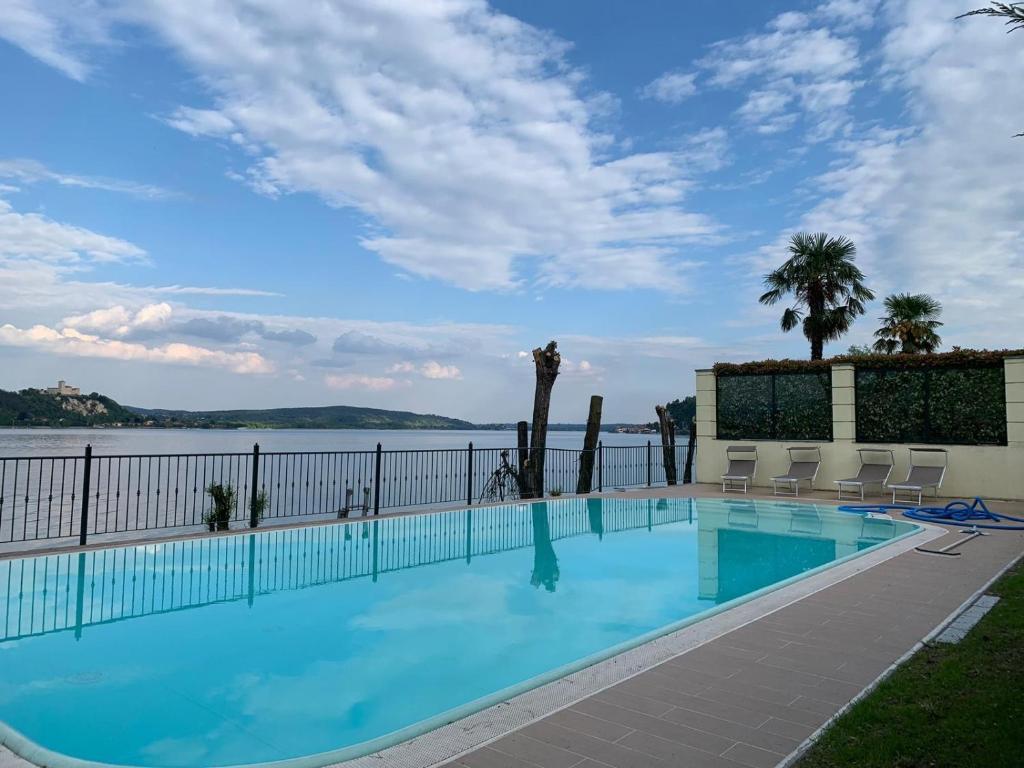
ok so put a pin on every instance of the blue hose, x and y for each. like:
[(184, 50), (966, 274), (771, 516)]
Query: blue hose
[(958, 513)]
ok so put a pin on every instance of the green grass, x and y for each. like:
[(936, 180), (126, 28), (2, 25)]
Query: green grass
[(950, 705)]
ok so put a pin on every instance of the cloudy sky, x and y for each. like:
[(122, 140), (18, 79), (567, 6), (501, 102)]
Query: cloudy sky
[(253, 203)]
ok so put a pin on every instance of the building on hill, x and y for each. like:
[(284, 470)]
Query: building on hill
[(62, 388)]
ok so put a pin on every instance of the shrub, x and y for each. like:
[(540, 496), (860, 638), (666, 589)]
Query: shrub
[(219, 516)]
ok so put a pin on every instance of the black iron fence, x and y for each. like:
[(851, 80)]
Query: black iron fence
[(85, 496)]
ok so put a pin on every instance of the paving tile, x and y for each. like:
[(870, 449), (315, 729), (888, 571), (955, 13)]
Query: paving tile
[(621, 698), (823, 709), (731, 712), (744, 688), (789, 729), (666, 729), (576, 720), (536, 752), (605, 752), (485, 757), (675, 754), (753, 756), (734, 731), (801, 716)]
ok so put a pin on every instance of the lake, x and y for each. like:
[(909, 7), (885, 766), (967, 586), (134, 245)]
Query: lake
[(71, 442)]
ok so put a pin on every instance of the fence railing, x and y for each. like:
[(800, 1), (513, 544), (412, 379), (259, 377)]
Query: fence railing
[(89, 495)]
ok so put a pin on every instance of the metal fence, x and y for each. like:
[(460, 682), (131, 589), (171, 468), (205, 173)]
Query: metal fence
[(69, 497)]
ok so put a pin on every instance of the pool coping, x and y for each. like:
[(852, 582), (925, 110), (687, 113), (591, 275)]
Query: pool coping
[(430, 742), (462, 736)]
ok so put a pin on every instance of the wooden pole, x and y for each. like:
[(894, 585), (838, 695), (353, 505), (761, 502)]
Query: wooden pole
[(668, 443), (546, 361), (523, 458), (691, 446), (585, 480)]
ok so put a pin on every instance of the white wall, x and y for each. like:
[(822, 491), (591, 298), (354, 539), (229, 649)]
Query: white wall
[(993, 472)]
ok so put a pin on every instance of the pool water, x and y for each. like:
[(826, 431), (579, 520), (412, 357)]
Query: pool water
[(338, 640)]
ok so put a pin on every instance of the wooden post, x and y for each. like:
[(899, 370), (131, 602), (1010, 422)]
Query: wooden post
[(546, 361), (691, 446), (469, 475), (523, 460), (585, 479), (668, 443)]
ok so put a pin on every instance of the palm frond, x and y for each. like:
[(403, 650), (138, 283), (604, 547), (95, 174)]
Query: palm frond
[(1012, 12)]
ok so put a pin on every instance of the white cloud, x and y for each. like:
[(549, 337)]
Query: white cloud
[(671, 87), (462, 134), (360, 382), (48, 36), (69, 341), (31, 171), (434, 370), (119, 321), (428, 370), (799, 60), (32, 235)]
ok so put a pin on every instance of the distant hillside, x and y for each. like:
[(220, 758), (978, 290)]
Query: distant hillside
[(32, 408), (325, 417)]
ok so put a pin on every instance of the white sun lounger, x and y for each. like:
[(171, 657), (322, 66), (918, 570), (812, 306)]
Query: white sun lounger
[(920, 477), (740, 470), (799, 470), (870, 472)]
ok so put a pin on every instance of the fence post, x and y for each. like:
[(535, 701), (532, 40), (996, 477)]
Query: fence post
[(648, 463), (600, 466), (83, 533), (254, 519), (376, 484), (469, 477)]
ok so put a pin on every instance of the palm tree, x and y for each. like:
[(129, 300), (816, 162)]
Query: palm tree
[(828, 287), (909, 324)]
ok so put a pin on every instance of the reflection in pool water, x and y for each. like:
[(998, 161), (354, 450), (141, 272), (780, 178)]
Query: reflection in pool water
[(287, 643)]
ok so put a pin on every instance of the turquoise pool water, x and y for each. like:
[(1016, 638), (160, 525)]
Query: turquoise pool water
[(330, 639)]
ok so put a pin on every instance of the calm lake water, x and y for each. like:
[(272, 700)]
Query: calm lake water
[(71, 442)]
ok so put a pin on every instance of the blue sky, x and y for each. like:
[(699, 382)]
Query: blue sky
[(248, 204)]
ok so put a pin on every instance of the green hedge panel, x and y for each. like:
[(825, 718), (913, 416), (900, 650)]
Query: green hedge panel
[(953, 406), (795, 406)]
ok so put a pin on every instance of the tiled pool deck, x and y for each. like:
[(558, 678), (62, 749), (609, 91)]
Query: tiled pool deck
[(753, 694)]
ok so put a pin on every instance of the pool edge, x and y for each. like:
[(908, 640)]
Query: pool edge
[(457, 732)]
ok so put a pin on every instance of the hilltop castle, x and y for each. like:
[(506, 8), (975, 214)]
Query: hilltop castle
[(62, 388)]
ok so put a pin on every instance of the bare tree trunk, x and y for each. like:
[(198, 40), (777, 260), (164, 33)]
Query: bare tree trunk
[(691, 446), (523, 457), (546, 362), (586, 474), (668, 442)]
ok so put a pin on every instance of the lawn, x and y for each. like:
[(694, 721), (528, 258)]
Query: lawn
[(950, 705)]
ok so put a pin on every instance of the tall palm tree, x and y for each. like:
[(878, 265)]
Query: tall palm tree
[(909, 324), (827, 286)]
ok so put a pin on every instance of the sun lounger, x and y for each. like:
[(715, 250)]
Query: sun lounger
[(742, 467), (922, 476), (801, 467), (870, 472)]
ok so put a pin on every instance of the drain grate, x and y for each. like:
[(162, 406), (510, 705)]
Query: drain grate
[(962, 624)]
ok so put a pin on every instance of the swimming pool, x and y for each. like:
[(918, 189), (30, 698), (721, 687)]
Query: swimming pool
[(339, 640)]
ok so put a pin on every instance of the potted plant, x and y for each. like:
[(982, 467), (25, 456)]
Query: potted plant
[(219, 516)]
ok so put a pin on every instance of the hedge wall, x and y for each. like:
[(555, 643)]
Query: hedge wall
[(957, 358), (784, 406), (945, 405)]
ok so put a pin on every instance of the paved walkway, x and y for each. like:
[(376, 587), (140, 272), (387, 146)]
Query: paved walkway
[(752, 696)]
